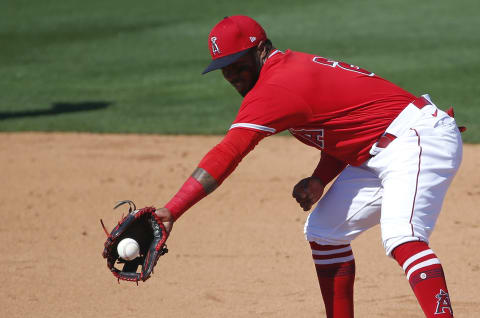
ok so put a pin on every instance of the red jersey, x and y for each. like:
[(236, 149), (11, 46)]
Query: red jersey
[(336, 107)]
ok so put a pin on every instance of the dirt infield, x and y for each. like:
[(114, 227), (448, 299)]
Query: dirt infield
[(238, 253)]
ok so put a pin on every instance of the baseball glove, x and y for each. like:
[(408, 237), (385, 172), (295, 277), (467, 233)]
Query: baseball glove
[(145, 227)]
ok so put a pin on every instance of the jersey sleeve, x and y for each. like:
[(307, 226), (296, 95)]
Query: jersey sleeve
[(328, 168), (219, 163), (271, 109)]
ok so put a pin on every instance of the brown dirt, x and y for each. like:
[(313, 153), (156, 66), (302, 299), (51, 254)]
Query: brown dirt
[(238, 253)]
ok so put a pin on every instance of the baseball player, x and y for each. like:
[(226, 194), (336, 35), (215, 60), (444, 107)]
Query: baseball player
[(393, 155)]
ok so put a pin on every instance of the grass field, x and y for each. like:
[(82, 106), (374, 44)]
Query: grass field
[(123, 66)]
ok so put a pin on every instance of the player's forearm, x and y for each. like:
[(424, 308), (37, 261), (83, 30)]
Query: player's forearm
[(205, 179), (215, 167), (197, 186), (328, 168)]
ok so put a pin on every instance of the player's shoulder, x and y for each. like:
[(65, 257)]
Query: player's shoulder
[(284, 67), (281, 60), (293, 57)]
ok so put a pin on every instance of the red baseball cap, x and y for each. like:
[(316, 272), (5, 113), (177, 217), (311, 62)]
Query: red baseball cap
[(231, 38)]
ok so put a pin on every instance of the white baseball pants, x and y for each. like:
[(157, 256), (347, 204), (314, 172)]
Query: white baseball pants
[(402, 188)]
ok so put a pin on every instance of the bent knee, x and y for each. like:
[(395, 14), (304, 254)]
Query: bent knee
[(391, 243)]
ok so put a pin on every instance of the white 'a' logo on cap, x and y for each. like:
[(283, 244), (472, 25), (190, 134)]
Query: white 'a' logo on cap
[(252, 39), (215, 49)]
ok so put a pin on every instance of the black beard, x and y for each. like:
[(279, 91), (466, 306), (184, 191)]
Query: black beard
[(252, 85), (258, 67)]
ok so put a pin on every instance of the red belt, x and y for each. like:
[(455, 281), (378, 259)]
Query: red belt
[(387, 138), (421, 102)]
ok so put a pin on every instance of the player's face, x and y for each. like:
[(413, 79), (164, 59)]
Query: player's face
[(243, 74)]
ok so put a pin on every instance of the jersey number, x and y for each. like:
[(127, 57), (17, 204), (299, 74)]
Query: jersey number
[(342, 65)]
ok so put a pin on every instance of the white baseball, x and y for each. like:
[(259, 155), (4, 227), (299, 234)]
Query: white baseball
[(128, 249)]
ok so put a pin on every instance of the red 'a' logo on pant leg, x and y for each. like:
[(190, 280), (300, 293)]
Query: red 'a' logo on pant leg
[(443, 303)]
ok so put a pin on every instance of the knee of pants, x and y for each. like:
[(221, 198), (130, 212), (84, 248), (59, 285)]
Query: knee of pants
[(395, 234), (327, 236), (391, 243)]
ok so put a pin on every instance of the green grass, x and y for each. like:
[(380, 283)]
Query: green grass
[(123, 66)]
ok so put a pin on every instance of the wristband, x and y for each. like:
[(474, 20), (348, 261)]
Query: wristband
[(190, 193)]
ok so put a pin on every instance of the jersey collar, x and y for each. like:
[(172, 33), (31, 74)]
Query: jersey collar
[(273, 53)]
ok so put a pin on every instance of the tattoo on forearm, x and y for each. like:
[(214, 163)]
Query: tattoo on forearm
[(206, 180)]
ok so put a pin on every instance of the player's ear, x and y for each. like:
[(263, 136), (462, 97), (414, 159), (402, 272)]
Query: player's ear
[(262, 51)]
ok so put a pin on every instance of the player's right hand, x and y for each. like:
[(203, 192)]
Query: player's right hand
[(166, 217), (308, 191)]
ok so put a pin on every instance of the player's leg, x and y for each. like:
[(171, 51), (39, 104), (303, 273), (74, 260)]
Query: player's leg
[(351, 206), (420, 169), (425, 274), (335, 267)]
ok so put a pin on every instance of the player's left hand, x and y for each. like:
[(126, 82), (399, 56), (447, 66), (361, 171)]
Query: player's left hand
[(145, 227), (166, 217), (308, 191)]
